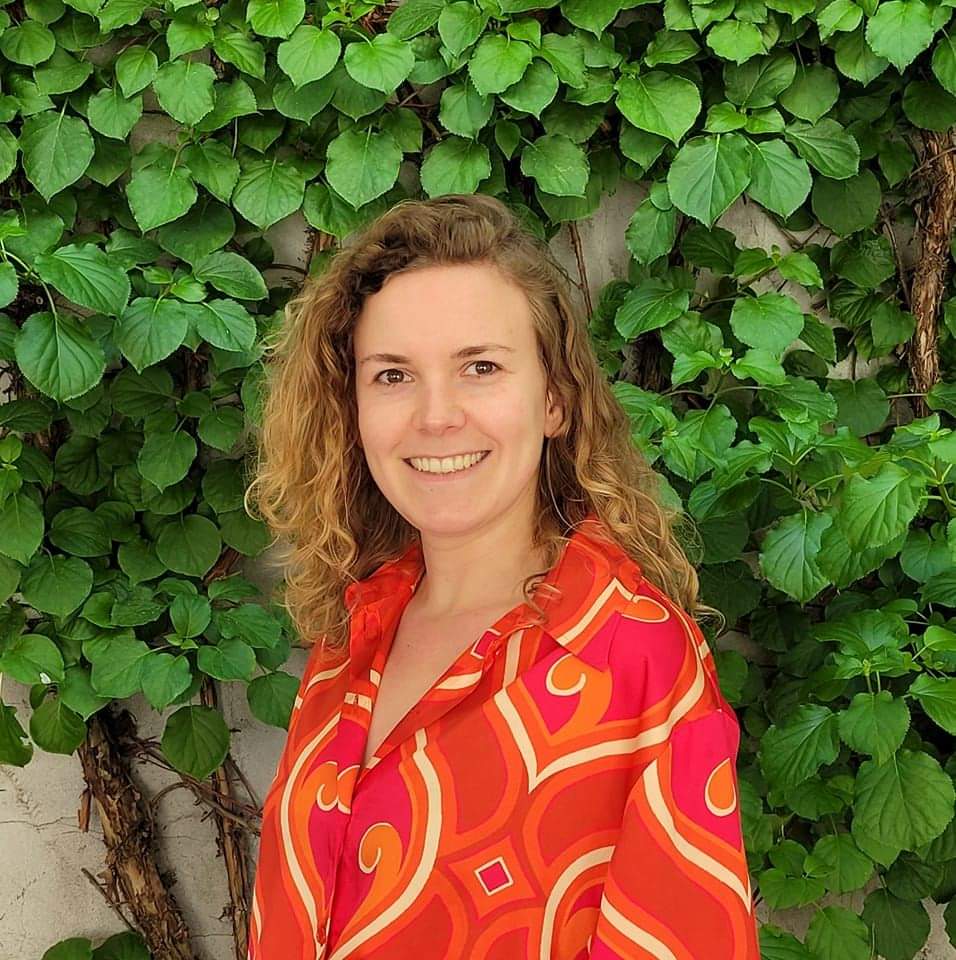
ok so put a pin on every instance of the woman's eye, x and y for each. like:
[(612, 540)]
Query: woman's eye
[(390, 383), (489, 362), (378, 379)]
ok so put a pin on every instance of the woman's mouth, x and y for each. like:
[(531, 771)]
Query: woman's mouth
[(430, 468)]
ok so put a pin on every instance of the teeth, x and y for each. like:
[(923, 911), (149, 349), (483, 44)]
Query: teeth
[(447, 464)]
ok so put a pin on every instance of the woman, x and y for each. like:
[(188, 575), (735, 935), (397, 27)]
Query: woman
[(509, 741)]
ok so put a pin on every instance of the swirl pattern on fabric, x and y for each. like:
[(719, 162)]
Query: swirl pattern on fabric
[(565, 791)]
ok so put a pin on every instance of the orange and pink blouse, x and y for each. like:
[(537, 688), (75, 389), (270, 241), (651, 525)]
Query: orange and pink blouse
[(565, 791)]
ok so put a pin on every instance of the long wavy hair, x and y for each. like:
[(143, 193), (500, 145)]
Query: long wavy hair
[(311, 484)]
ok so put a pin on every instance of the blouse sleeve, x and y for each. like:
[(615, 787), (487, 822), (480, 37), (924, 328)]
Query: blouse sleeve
[(678, 885)]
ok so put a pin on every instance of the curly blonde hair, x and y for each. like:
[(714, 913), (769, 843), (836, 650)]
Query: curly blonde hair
[(311, 483)]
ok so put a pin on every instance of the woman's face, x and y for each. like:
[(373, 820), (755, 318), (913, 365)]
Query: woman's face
[(447, 364)]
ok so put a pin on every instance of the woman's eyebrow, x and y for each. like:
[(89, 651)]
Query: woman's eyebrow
[(463, 352)]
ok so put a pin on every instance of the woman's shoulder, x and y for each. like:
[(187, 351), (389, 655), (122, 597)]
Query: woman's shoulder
[(657, 639)]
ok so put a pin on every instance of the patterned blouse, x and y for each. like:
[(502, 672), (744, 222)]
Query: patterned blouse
[(563, 792)]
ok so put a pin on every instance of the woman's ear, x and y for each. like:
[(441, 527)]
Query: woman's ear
[(554, 416)]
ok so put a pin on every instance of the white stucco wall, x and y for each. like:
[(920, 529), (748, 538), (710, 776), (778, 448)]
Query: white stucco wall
[(44, 896)]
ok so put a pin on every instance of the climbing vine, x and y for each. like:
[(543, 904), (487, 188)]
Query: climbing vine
[(800, 404)]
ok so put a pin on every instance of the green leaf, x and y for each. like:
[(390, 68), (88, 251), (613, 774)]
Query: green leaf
[(213, 167), (814, 91), (221, 427), (826, 146), (165, 458), (874, 511), (840, 15), (735, 40), (267, 191), (708, 174), (57, 149), (87, 276), (189, 545), (27, 43), (875, 724), (900, 928), (275, 18), (73, 948), (77, 692), (241, 51), (700, 441), (498, 62), (232, 275), (55, 728), (61, 73), (454, 165), (836, 933), (799, 268), (21, 527), (382, 63), (150, 330), (463, 111), (159, 194), (56, 353), (56, 585), (414, 17), (904, 802), (309, 54), (184, 89), (671, 46), (121, 13), (361, 164), (855, 59), (846, 206), (111, 114), (758, 82), (937, 696), (791, 752), (136, 67), (900, 30), (227, 325), (651, 232), (771, 321), (8, 284), (270, 698), (207, 227), (944, 62), (195, 740), (117, 666), (164, 678), (32, 658), (190, 614), (659, 103), (788, 555), (862, 405), (839, 862), (227, 660), (649, 306), (15, 748), (928, 105), (865, 261), (557, 164), (460, 25)]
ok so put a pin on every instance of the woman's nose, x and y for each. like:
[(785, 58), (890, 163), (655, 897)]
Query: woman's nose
[(438, 406)]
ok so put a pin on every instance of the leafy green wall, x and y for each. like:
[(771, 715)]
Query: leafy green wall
[(147, 149)]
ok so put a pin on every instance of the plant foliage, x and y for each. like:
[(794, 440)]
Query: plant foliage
[(147, 149)]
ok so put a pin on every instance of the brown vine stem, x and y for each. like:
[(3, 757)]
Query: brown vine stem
[(114, 906), (935, 228), (583, 285), (128, 835), (232, 845)]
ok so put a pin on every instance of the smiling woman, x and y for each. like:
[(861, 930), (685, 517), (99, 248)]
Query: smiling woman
[(510, 739)]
